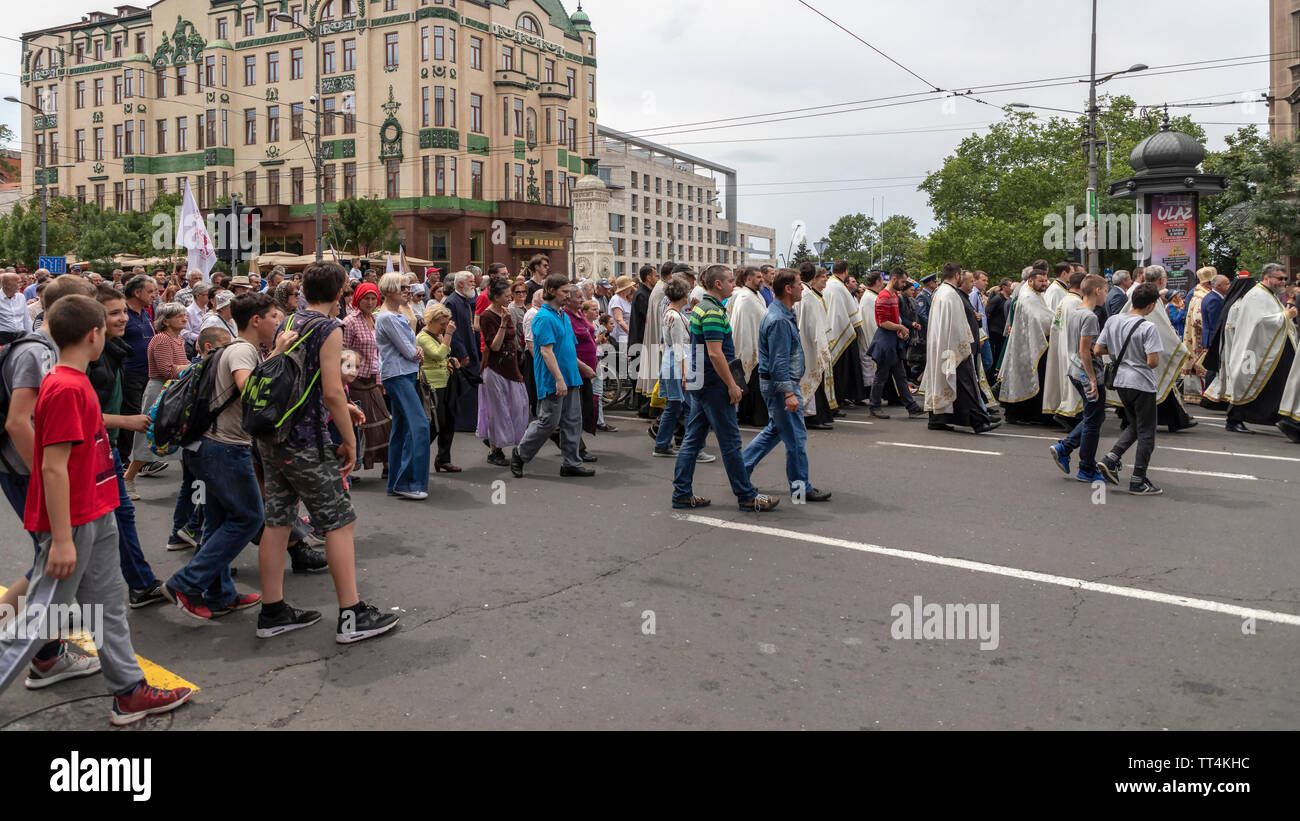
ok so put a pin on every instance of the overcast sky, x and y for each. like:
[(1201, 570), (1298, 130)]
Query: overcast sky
[(674, 62)]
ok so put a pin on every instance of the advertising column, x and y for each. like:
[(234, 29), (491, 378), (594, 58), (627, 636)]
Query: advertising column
[(1173, 236)]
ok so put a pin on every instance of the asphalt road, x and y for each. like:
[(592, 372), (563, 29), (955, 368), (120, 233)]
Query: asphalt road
[(537, 613)]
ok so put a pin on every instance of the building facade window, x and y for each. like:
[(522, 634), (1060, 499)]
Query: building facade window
[(250, 70), (390, 50), (349, 179), (349, 55), (476, 53), (250, 126), (273, 67), (393, 175), (295, 186), (295, 64)]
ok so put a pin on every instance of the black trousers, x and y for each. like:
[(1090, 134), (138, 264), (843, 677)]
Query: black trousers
[(133, 385), (891, 368), (446, 414), (1140, 408)]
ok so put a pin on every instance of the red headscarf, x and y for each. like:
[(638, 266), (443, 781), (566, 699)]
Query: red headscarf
[(363, 289)]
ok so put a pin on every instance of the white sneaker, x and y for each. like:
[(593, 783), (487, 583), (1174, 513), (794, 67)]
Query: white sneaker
[(153, 468), (130, 490), (417, 495), (71, 663), (705, 458)]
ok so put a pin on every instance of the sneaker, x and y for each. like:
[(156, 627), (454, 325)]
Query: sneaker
[(917, 413), (188, 536), (312, 537), (1095, 476), (1110, 468), (176, 543), (306, 560), (153, 468), (192, 605), (243, 601), (667, 453), (71, 662), (704, 458), (1143, 487), (150, 595), (130, 490), (1060, 458), (290, 618), (146, 700), (365, 622), (693, 502), (760, 503), (417, 495)]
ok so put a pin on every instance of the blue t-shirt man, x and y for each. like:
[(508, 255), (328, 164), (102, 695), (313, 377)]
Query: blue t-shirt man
[(550, 327)]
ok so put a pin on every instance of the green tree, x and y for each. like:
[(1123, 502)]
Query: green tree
[(896, 236), (1254, 221), (366, 223), (853, 237), (801, 254), (992, 194)]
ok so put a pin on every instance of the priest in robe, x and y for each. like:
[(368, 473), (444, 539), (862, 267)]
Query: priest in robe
[(1024, 361), (465, 347), (818, 384), (847, 339), (745, 310), (952, 392), (1193, 331), (1060, 399), (872, 283), (1254, 354)]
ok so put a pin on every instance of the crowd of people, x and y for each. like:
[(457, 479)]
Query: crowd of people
[(378, 370)]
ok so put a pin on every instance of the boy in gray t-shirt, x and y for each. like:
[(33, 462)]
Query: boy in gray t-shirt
[(1081, 331), (1135, 382)]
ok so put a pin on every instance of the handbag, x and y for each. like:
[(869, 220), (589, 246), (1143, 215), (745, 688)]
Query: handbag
[(428, 398), (1111, 370)]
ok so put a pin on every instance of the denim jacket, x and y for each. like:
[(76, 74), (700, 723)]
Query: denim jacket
[(780, 354)]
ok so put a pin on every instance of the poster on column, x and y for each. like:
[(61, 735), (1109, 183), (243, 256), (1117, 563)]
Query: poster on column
[(1173, 236)]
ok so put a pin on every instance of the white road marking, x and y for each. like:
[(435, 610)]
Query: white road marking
[(936, 447), (1024, 436), (1246, 476), (852, 422), (1000, 570), (1230, 453)]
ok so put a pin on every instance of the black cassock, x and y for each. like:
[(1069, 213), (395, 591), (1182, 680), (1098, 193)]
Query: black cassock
[(465, 343)]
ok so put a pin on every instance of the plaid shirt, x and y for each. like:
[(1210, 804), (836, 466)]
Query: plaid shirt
[(360, 337)]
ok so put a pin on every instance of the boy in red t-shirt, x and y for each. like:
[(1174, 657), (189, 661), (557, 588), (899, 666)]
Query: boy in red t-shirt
[(70, 503)]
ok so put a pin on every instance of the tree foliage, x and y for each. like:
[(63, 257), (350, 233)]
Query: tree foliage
[(853, 237), (1254, 221), (992, 194), (801, 254), (365, 223)]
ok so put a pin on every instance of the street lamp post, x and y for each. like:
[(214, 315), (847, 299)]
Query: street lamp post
[(45, 176), (317, 161)]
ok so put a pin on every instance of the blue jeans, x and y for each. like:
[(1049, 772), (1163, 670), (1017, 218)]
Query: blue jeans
[(135, 568), (186, 514), (786, 428), (710, 409), (233, 509), (408, 444), (15, 490), (1085, 434), (668, 421), (986, 355)]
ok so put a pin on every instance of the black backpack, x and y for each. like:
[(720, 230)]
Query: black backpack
[(183, 411), (278, 390), (6, 390)]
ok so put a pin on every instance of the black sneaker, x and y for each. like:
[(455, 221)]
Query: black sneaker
[(306, 560), (365, 624), (290, 618), (1143, 487), (1110, 469), (150, 595)]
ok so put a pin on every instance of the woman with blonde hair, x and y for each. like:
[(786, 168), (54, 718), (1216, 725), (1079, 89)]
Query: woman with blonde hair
[(399, 360), (435, 344)]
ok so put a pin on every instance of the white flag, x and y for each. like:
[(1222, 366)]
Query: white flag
[(389, 268), (192, 234)]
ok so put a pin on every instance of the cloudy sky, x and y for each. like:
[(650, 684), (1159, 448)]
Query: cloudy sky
[(671, 63)]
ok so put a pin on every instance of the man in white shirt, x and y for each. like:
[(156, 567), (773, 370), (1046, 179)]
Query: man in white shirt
[(194, 316), (355, 273), (14, 318)]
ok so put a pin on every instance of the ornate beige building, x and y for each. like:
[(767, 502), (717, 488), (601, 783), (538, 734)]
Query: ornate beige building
[(470, 119), (1284, 68)]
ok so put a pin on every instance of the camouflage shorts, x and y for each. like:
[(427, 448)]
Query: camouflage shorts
[(300, 474)]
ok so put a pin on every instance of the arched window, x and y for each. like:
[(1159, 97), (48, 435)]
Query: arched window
[(327, 10), (529, 24)]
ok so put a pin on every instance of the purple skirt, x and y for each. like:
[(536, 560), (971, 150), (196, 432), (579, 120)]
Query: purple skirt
[(502, 410)]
